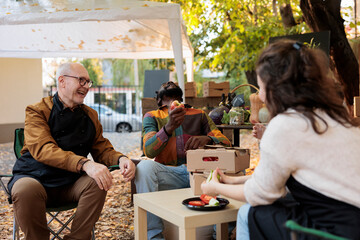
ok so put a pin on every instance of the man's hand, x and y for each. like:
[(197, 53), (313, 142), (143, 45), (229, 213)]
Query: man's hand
[(100, 173), (176, 118), (196, 142), (127, 168)]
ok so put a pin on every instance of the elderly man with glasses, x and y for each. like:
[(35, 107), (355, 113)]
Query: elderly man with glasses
[(60, 132)]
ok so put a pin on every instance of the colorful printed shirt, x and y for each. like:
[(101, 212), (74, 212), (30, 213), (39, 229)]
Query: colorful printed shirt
[(171, 150)]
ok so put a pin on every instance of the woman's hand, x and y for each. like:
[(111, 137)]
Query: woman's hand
[(230, 179), (258, 130), (223, 178), (210, 188)]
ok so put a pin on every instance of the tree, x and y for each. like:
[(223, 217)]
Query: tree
[(123, 71), (228, 35), (93, 66), (323, 16)]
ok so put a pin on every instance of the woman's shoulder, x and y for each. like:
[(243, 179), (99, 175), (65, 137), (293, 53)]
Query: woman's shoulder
[(285, 128), (289, 119)]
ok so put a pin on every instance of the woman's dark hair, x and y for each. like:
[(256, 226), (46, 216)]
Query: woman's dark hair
[(169, 89), (296, 77)]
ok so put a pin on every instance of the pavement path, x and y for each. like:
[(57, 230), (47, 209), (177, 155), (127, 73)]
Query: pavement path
[(125, 143)]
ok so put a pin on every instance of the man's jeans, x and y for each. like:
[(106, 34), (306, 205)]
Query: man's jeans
[(152, 176)]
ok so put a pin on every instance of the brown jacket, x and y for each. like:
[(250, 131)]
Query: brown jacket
[(43, 147)]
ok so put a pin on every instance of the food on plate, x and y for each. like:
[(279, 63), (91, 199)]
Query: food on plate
[(197, 203), (204, 201), (214, 202), (176, 104), (206, 198)]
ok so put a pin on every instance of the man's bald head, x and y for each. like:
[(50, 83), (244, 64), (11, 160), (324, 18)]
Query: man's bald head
[(66, 69)]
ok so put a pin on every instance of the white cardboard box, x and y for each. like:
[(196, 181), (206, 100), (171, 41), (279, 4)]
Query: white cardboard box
[(228, 160)]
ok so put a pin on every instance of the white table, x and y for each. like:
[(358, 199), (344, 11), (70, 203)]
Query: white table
[(168, 205)]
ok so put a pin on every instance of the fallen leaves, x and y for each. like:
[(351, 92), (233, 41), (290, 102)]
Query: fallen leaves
[(117, 218)]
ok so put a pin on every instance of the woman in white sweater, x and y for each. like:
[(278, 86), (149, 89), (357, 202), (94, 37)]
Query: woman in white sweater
[(309, 154)]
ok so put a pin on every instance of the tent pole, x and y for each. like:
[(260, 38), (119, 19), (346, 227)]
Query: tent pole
[(137, 84), (189, 69), (176, 40)]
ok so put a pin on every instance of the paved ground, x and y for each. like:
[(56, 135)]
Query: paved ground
[(127, 143)]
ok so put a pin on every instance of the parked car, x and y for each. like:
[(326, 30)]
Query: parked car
[(115, 121)]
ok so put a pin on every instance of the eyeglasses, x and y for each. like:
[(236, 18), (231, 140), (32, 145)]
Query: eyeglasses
[(82, 80)]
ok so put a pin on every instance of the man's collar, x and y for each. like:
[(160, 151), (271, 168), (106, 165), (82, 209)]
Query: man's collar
[(66, 106)]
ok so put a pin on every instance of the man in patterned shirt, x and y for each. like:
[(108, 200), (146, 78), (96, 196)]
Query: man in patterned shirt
[(166, 136)]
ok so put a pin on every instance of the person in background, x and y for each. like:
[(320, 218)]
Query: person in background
[(53, 169), (310, 148), (167, 135)]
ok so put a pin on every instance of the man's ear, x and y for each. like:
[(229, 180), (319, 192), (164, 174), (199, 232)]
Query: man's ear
[(61, 81)]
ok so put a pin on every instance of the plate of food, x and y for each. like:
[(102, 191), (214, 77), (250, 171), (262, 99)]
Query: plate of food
[(205, 203)]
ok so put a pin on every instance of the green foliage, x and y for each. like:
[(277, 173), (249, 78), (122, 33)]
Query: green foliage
[(312, 44), (350, 23), (226, 118), (228, 35), (241, 49), (123, 71), (144, 65), (93, 66)]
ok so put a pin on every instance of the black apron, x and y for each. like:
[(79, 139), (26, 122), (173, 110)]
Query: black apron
[(309, 209), (73, 131)]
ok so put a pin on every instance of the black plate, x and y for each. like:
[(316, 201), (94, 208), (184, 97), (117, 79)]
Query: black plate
[(223, 202)]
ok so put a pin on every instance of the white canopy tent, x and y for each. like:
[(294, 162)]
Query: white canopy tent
[(127, 29)]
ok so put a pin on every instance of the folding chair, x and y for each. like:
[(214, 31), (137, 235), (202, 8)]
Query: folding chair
[(296, 228), (53, 212)]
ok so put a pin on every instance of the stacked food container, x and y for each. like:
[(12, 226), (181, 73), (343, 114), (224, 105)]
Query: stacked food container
[(232, 161)]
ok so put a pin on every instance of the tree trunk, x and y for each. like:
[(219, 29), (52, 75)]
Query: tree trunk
[(252, 79), (287, 16), (324, 16)]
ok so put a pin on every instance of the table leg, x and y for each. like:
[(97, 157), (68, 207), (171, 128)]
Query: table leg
[(236, 136), (140, 223), (222, 231), (187, 233)]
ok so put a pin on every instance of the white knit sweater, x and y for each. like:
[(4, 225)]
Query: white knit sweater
[(328, 163)]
